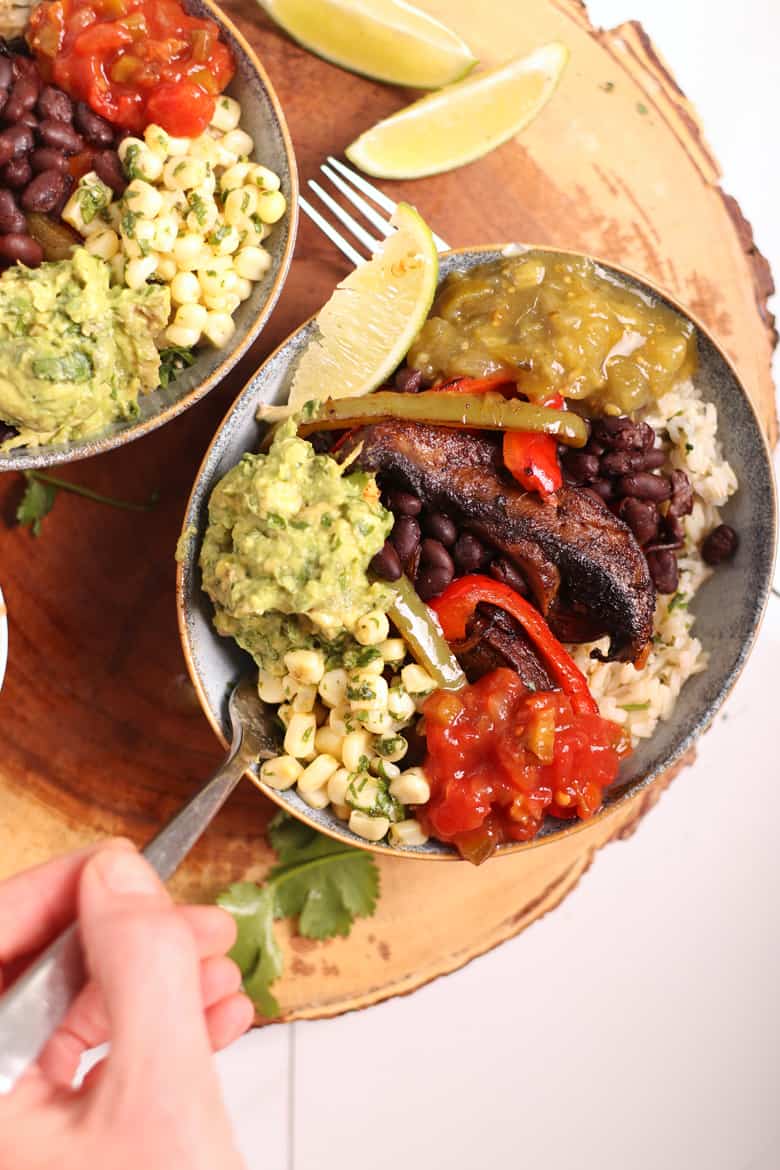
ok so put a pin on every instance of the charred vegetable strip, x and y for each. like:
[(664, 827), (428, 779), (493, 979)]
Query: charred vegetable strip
[(485, 412), (414, 622), (477, 385), (457, 604)]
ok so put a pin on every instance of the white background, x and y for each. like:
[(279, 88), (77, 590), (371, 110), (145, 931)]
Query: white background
[(636, 1028)]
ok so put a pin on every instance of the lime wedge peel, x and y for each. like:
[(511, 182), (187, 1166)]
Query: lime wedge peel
[(366, 328), (462, 122), (388, 40)]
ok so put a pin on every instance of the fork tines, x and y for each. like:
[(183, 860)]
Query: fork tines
[(353, 187)]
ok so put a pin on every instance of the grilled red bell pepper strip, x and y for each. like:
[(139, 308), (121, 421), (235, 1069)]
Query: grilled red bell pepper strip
[(478, 385), (456, 605), (532, 458)]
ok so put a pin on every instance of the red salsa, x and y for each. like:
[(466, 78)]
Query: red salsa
[(501, 756), (134, 61)]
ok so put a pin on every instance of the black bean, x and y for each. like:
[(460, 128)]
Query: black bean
[(14, 141), (440, 527), (386, 563), (649, 460), (21, 99), (29, 120), (44, 192), (508, 574), (6, 73), (109, 169), (22, 63), (662, 564), (681, 503), (469, 553), (618, 463), (641, 516), (405, 536), (604, 488), (46, 159), (58, 208), (404, 503), (16, 173), (720, 545), (60, 136), (432, 581), (582, 466), (54, 103), (673, 531), (19, 246), (622, 434), (433, 554), (408, 381), (96, 130), (11, 218), (645, 486)]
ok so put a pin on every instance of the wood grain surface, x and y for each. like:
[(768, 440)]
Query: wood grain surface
[(99, 728)]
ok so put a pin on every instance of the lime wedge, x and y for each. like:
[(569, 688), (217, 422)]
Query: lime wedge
[(368, 325), (385, 39), (463, 122)]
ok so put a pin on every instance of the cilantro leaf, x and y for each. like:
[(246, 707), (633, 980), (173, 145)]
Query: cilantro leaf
[(173, 360), (37, 502), (324, 883), (256, 950)]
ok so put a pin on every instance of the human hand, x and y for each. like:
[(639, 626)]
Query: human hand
[(161, 990)]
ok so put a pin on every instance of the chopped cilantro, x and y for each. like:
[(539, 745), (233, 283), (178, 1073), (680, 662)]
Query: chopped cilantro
[(219, 234), (198, 205), (607, 86), (679, 601), (130, 161), (634, 706), (641, 108), (173, 360)]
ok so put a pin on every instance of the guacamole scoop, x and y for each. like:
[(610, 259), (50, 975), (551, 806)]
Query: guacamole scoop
[(75, 353), (287, 548)]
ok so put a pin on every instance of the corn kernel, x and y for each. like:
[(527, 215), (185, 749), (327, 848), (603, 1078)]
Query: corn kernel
[(227, 113), (308, 666), (317, 774), (219, 328), (407, 834), (337, 786), (391, 747), (281, 772), (238, 142), (328, 741), (372, 628), (305, 698), (185, 288), (317, 798), (143, 199), (356, 745), (191, 316), (269, 687), (417, 681), (137, 272), (369, 828), (393, 650), (299, 738), (104, 244), (271, 206), (411, 787)]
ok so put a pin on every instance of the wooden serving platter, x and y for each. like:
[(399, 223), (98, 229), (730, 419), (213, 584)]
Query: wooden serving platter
[(99, 728)]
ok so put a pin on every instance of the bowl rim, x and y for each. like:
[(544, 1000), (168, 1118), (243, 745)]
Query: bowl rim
[(634, 788), (3, 638), (30, 458)]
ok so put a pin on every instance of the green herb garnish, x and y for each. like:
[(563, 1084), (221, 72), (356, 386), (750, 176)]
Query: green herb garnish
[(324, 883), (41, 491), (679, 601), (634, 706), (173, 360)]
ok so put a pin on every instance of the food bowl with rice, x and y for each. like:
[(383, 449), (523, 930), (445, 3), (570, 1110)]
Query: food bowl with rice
[(503, 593), (148, 212)]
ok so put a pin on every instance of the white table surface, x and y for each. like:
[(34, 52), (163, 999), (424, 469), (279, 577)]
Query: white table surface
[(637, 1027)]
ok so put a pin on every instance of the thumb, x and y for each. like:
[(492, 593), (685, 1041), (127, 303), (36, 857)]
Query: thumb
[(143, 957)]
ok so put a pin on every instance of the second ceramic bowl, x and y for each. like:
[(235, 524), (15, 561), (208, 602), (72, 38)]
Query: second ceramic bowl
[(728, 608), (263, 119)]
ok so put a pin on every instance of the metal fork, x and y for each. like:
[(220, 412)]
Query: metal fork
[(353, 187)]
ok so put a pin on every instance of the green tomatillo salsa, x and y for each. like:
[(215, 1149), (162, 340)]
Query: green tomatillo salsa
[(287, 548)]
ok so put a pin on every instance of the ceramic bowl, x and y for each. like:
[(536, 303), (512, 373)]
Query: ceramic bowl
[(262, 117), (3, 639), (728, 608)]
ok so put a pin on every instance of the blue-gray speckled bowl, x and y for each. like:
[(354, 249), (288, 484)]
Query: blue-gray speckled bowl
[(262, 117), (728, 607)]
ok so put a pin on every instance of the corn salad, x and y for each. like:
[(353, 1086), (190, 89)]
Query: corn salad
[(193, 216), (343, 740)]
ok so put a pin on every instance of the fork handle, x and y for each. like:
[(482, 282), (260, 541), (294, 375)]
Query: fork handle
[(39, 1000)]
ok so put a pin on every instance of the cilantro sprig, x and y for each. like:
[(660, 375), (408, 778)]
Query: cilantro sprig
[(41, 491), (325, 884)]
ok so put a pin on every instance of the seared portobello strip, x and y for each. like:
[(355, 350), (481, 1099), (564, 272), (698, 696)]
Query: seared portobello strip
[(569, 542), (495, 639)]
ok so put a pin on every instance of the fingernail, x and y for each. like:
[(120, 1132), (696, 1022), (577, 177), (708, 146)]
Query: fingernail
[(125, 872)]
